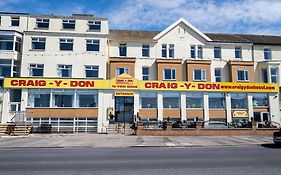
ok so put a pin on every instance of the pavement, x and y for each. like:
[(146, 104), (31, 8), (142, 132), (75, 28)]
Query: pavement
[(122, 141)]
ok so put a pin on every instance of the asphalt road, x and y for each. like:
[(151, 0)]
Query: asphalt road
[(121, 161)]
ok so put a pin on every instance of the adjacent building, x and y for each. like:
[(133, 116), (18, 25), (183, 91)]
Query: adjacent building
[(76, 74)]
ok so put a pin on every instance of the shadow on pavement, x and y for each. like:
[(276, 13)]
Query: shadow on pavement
[(271, 145)]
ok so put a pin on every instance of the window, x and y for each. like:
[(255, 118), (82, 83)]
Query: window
[(260, 100), (267, 53), (148, 100), (94, 25), (64, 70), (239, 101), (199, 75), (217, 52), (274, 74), (169, 74), (194, 100), (171, 100), (15, 21), (63, 98), (18, 44), (123, 50), (0, 20), (218, 74), (93, 45), (38, 98), (216, 100), (200, 52), (36, 70), (68, 24), (243, 75), (122, 70), (38, 43), (5, 67), (66, 44), (92, 71), (145, 50), (238, 52), (42, 23), (171, 51), (6, 42), (145, 73), (164, 50), (264, 75), (192, 51), (87, 98)]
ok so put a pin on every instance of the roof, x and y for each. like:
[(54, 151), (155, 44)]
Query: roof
[(229, 38), (263, 39), (132, 34)]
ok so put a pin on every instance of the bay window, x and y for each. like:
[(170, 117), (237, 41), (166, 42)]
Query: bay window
[(239, 101)]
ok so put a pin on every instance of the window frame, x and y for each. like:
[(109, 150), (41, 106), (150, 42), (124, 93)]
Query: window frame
[(66, 22), (218, 76), (145, 75), (171, 51), (192, 51), (217, 49), (126, 70), (64, 67), (200, 52), (145, 50), (238, 51), (93, 42), (202, 74), (267, 52), (94, 23), (15, 19), (123, 49), (36, 67), (42, 21), (66, 41), (272, 75), (164, 50), (38, 40), (172, 72), (245, 75), (91, 68)]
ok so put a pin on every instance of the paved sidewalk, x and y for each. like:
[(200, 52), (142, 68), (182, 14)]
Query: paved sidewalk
[(103, 140)]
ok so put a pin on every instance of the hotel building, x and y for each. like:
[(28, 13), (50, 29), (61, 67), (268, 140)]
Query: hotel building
[(76, 74)]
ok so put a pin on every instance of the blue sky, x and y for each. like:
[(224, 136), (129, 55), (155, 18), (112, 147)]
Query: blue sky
[(229, 16)]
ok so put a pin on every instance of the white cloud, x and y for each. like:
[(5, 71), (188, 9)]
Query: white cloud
[(248, 16)]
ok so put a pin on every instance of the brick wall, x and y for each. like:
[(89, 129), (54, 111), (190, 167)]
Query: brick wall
[(199, 131)]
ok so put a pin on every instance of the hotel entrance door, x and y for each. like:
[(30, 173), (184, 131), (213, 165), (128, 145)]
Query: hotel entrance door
[(124, 109)]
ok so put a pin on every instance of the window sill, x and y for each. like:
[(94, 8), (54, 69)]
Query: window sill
[(243, 81), (37, 50), (260, 107), (195, 108), (40, 28), (89, 30), (199, 80), (67, 29)]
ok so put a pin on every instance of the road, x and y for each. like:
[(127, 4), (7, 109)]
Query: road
[(256, 160)]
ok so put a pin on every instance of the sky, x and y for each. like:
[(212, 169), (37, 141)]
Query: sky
[(220, 16)]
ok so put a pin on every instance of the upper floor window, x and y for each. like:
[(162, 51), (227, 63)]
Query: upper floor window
[(169, 74), (93, 45), (242, 75), (94, 25), (123, 50), (15, 21), (68, 24), (64, 71), (192, 51), (218, 74), (171, 51), (200, 52), (18, 44), (5, 67), (0, 20), (164, 50), (238, 52), (199, 75), (145, 73), (92, 71), (36, 70), (217, 52), (38, 43), (122, 70), (145, 50), (42, 23), (6, 42), (66, 44), (267, 53), (264, 75), (274, 74)]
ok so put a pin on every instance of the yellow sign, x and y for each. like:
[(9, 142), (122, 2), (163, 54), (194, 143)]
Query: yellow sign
[(127, 94), (126, 82), (242, 114)]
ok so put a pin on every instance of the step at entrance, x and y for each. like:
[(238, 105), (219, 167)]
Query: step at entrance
[(119, 128)]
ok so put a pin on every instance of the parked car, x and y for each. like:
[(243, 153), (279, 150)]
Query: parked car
[(277, 137)]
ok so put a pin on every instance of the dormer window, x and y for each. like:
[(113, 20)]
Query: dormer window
[(68, 24), (94, 25)]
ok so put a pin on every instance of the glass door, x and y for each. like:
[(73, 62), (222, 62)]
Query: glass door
[(124, 109)]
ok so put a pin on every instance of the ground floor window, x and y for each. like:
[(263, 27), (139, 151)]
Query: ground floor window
[(87, 98), (148, 100), (194, 100), (63, 98), (39, 98), (239, 101), (171, 100), (216, 101), (260, 100)]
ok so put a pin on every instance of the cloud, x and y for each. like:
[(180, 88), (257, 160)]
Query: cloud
[(248, 16)]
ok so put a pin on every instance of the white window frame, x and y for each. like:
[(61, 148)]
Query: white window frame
[(126, 70), (38, 40), (171, 48), (164, 48), (268, 52), (35, 66), (68, 21), (173, 74), (15, 19), (236, 49), (193, 49), (202, 75), (245, 75), (145, 48), (276, 76), (42, 20), (94, 23), (215, 54), (67, 41), (145, 75), (61, 67), (217, 76), (198, 50), (93, 42), (91, 67)]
